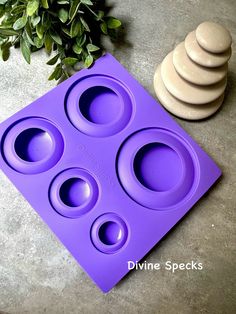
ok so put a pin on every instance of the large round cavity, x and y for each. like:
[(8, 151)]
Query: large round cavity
[(74, 192), (33, 145), (110, 233), (158, 167), (100, 105)]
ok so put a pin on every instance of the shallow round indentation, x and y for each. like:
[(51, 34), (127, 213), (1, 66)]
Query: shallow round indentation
[(32, 145), (73, 192), (109, 233), (150, 167), (157, 168), (99, 105)]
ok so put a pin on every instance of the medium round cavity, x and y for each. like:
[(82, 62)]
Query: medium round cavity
[(99, 105), (157, 168), (33, 145), (73, 192), (150, 167), (109, 233)]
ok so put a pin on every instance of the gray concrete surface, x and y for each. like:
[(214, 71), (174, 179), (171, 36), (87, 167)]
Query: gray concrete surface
[(38, 275)]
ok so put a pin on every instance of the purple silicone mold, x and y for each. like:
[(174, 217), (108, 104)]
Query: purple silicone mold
[(105, 166)]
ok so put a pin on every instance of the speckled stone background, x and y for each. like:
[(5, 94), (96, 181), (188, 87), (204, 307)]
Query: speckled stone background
[(38, 275)]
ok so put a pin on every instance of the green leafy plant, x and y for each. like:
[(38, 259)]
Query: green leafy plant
[(71, 29)]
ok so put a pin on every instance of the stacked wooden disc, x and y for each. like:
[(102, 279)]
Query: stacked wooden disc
[(191, 80)]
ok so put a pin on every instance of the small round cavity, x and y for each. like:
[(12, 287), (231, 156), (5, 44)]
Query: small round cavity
[(33, 145), (74, 192), (100, 105), (109, 233), (157, 167)]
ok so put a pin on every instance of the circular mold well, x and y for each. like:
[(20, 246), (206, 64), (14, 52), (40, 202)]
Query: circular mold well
[(109, 233), (150, 167), (73, 192), (157, 168), (32, 145), (99, 105)]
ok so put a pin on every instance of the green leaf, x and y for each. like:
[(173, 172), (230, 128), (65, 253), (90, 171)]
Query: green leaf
[(73, 9), (88, 2), (66, 31), (76, 29), (35, 20), (113, 23), (103, 27), (40, 30), (48, 42), (25, 49), (88, 61), (77, 49), (18, 9), (100, 15), (7, 32), (20, 23), (81, 40), (5, 51), (56, 37), (38, 42), (28, 38), (56, 74), (70, 61), (53, 60), (91, 47), (32, 7), (85, 24), (63, 15), (63, 2), (45, 4), (3, 1)]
